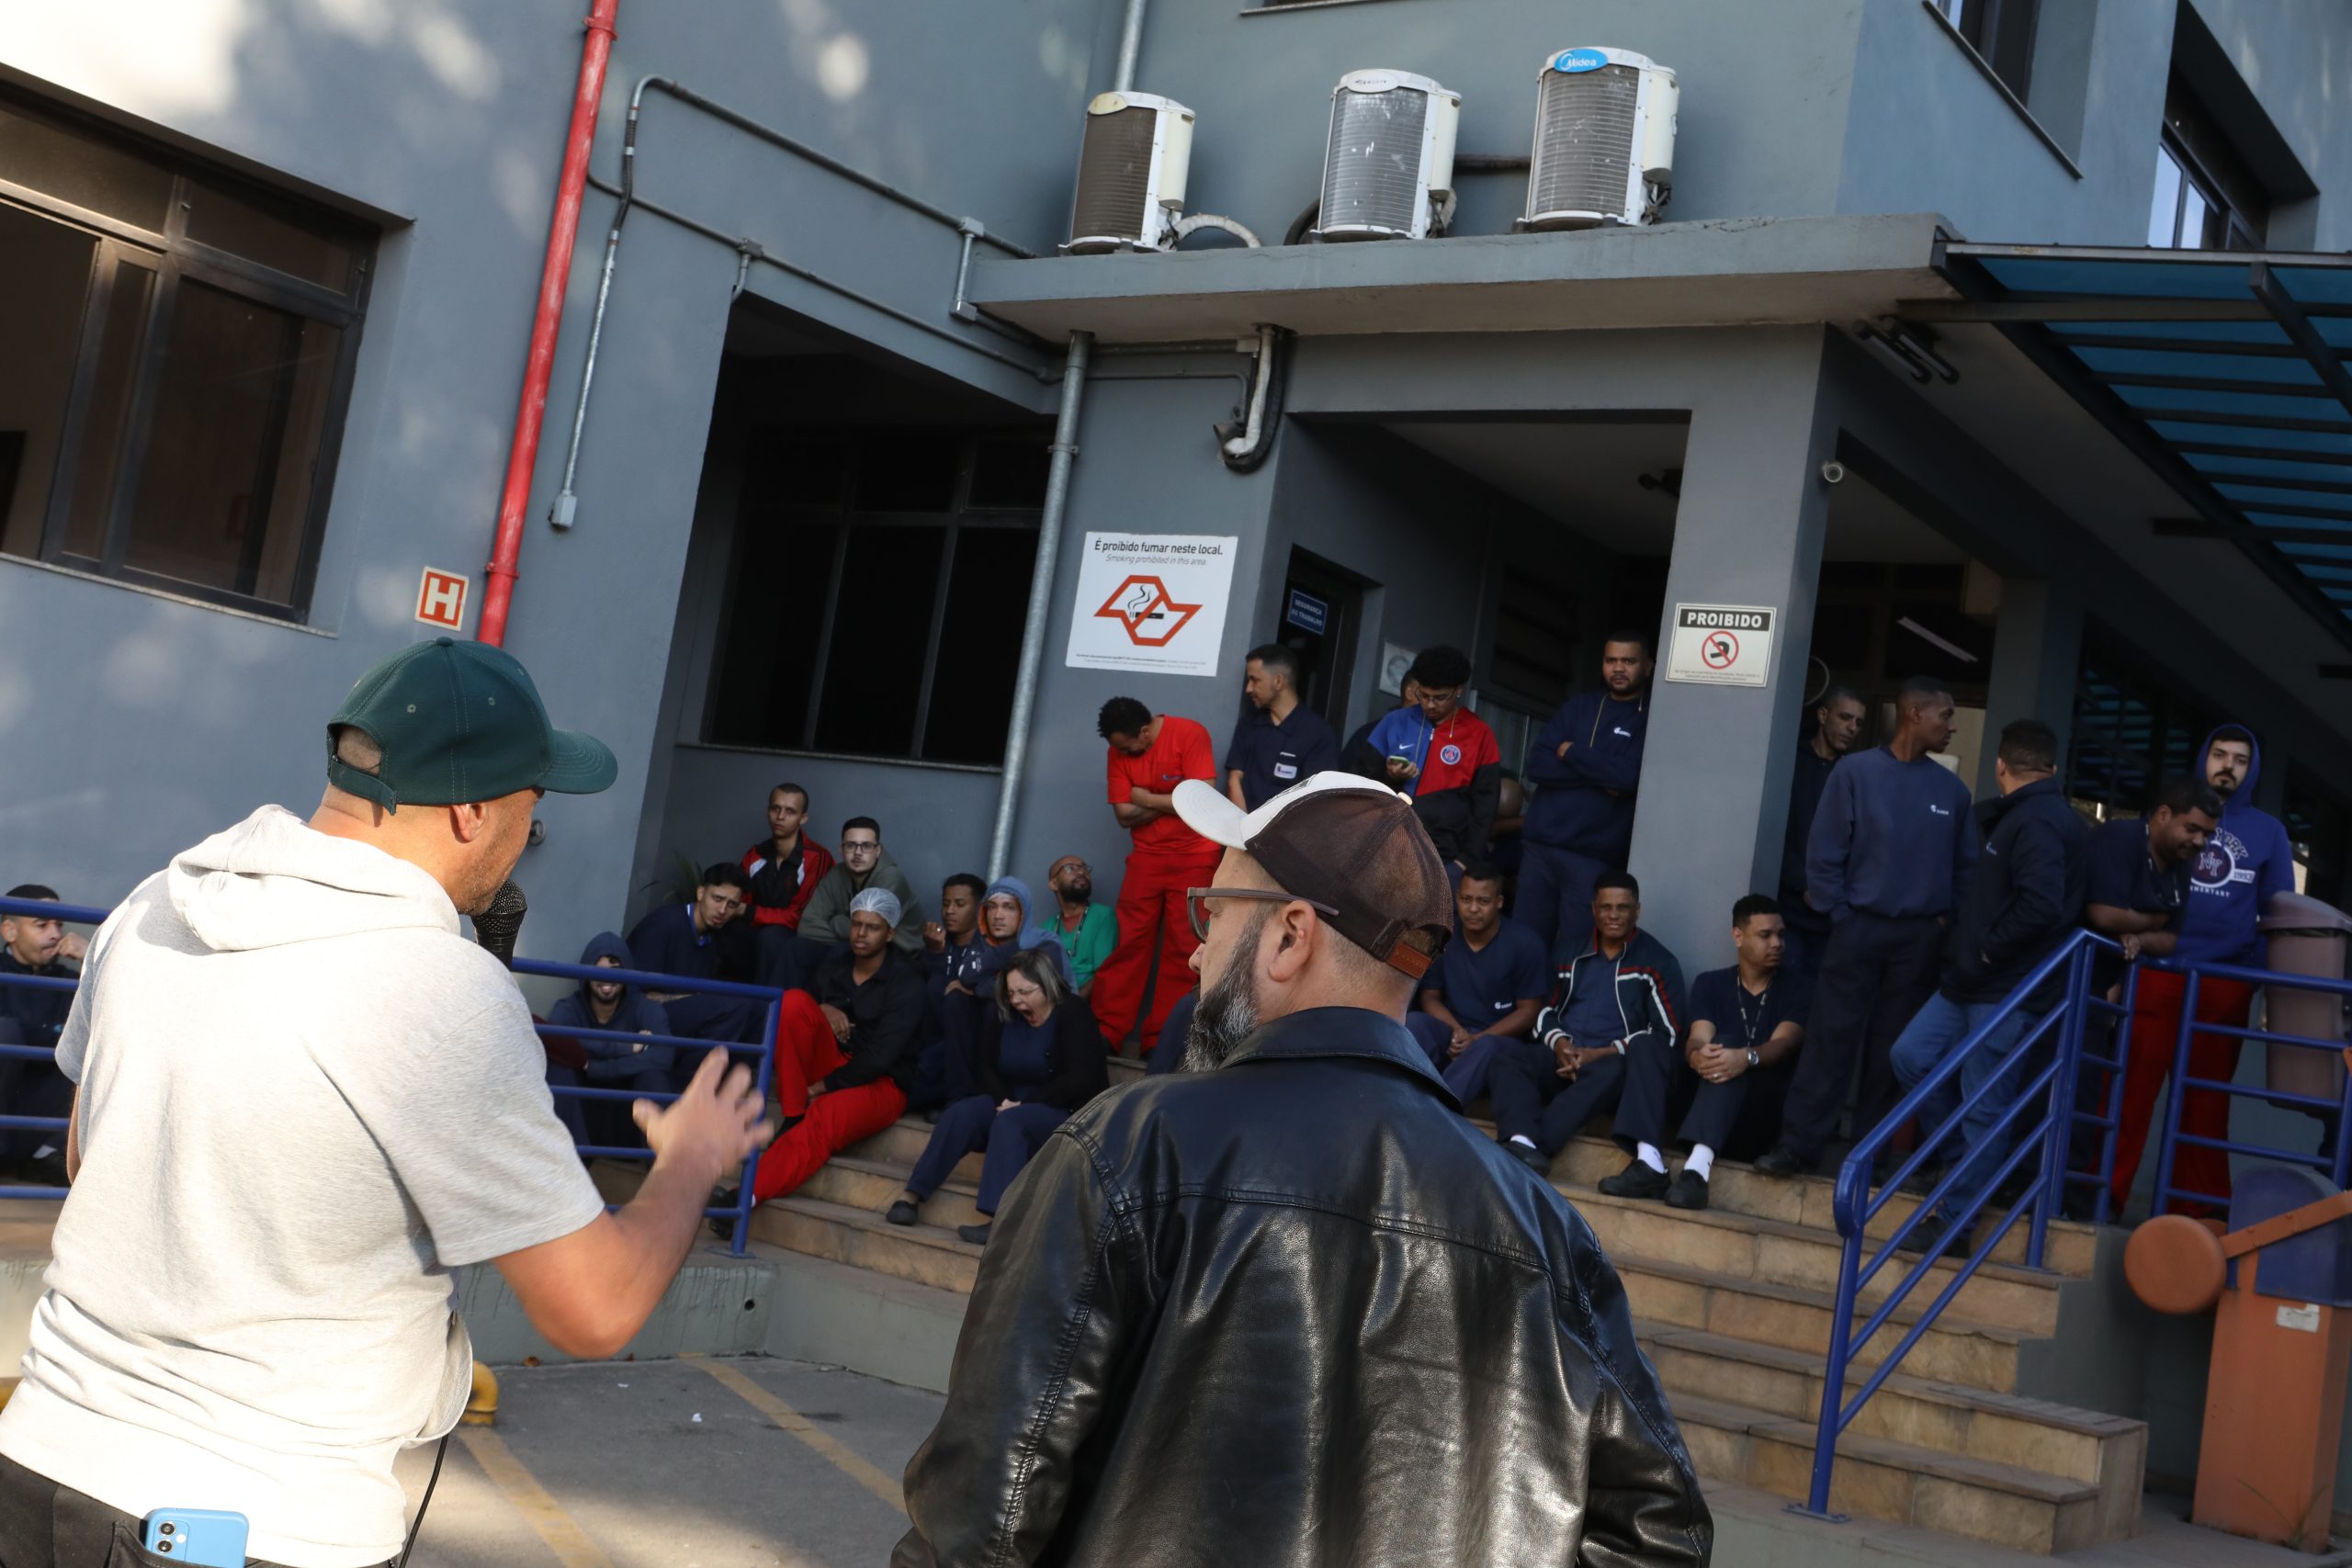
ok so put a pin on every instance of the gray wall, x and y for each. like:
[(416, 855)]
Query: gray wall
[(2291, 58), (146, 722)]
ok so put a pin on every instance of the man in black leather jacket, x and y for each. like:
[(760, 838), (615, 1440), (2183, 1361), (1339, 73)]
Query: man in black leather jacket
[(1287, 1307)]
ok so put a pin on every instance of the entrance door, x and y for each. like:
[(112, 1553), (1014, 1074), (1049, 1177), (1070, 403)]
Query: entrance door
[(1319, 611)]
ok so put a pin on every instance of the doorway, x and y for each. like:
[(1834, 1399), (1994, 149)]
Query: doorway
[(1321, 609)]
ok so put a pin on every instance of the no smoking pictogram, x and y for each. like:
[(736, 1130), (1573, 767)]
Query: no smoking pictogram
[(1720, 651), (1148, 611)]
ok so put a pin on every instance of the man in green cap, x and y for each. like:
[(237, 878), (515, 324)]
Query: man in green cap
[(302, 1098)]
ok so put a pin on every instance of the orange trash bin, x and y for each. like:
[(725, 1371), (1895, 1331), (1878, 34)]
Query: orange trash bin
[(2280, 1278)]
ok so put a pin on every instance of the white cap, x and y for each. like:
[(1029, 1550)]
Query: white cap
[(1210, 812)]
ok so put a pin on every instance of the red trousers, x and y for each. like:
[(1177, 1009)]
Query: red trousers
[(806, 1052), (2156, 1035), (1152, 916)]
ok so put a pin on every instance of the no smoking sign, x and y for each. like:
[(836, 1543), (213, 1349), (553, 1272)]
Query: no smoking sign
[(1720, 645)]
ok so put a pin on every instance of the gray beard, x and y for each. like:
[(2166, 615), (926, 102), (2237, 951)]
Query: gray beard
[(1227, 1011)]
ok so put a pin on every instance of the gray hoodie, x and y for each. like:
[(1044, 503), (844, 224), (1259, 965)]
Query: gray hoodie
[(304, 1097)]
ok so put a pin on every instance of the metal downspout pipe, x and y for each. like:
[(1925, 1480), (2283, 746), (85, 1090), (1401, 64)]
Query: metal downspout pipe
[(1049, 529)]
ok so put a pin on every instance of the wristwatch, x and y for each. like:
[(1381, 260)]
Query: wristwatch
[(1754, 1060)]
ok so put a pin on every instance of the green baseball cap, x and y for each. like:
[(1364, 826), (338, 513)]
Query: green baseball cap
[(456, 722)]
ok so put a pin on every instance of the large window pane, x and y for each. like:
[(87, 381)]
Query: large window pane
[(979, 645), (873, 671), (44, 157), (246, 228), (106, 421), (44, 276), (767, 663), (2164, 213), (238, 410)]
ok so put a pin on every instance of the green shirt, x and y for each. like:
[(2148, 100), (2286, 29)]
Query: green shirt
[(1088, 947)]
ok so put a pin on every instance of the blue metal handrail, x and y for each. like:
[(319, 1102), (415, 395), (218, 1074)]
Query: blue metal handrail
[(2048, 1138), (2337, 1163), (1855, 1208), (763, 1049)]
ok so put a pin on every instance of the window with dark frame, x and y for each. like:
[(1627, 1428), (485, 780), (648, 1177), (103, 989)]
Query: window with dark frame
[(876, 591), (176, 354), (2001, 32), (2206, 198)]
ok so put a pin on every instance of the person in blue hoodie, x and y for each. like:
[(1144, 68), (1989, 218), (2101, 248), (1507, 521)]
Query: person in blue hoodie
[(637, 1066), (2248, 861), (965, 995), (1584, 767)]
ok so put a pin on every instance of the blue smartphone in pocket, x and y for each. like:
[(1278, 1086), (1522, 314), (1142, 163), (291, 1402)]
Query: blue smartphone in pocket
[(208, 1537)]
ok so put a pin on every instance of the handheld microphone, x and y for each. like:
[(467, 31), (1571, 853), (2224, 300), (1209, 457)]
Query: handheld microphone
[(497, 927)]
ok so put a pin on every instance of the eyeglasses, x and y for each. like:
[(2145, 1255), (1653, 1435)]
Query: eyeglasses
[(1197, 903)]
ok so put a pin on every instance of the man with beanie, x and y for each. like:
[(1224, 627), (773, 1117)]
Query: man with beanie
[(1223, 1312), (2246, 862), (846, 1049), (303, 1100)]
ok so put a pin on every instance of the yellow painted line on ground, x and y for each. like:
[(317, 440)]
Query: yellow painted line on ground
[(563, 1535), (882, 1485)]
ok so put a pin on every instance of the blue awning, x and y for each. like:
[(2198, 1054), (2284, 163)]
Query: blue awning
[(2226, 371)]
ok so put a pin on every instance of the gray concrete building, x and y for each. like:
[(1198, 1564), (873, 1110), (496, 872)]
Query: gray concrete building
[(269, 277)]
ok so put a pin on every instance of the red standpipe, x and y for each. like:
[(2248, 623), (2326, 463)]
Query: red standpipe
[(530, 413)]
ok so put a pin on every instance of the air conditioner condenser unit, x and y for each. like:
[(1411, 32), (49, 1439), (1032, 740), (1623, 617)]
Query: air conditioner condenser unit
[(1604, 140), (1131, 172), (1388, 167)]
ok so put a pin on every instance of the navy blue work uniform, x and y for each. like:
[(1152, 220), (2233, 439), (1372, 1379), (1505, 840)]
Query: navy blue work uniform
[(1890, 858), (1740, 1117), (1271, 757), (1479, 987)]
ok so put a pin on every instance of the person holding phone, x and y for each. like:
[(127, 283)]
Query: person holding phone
[(1444, 757), (302, 1099)]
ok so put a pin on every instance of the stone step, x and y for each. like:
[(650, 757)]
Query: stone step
[(2023, 1510), (928, 1255), (1954, 1349), (1746, 1247), (2109, 1451), (901, 1144), (874, 1186), (2072, 1249)]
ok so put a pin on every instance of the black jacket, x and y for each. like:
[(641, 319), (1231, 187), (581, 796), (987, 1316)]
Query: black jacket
[(886, 1013), (1075, 1057), (1293, 1312), (1651, 1005), (2025, 898)]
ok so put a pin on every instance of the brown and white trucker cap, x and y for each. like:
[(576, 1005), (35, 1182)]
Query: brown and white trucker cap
[(1350, 844)]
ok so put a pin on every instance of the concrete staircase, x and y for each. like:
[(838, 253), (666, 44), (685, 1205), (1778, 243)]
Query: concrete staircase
[(1734, 1307)]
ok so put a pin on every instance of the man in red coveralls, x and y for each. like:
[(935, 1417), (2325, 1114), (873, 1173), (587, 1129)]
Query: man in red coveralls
[(1149, 758)]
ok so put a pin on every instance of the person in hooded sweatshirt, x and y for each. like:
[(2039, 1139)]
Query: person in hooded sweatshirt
[(302, 1099), (863, 863), (2248, 861), (637, 1066)]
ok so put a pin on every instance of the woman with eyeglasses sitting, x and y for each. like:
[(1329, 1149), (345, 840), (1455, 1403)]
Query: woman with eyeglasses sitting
[(1038, 1057)]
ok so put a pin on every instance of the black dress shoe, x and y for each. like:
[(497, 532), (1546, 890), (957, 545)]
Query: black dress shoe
[(1781, 1160), (903, 1213), (1923, 1239), (977, 1235), (1687, 1191), (1636, 1180), (1533, 1158)]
